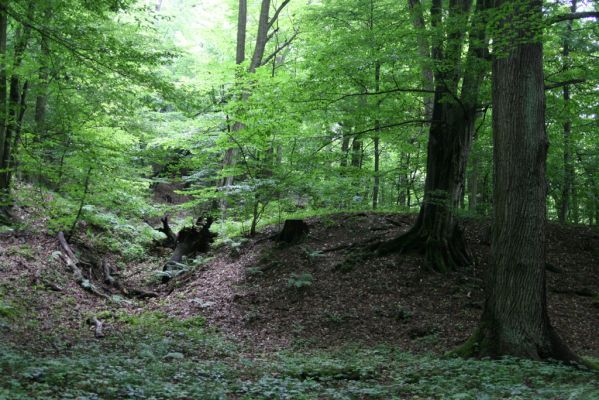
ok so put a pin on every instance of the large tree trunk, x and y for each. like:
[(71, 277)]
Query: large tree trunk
[(436, 232), (515, 320), (262, 36)]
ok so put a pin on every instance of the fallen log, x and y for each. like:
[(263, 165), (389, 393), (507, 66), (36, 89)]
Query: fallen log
[(71, 261)]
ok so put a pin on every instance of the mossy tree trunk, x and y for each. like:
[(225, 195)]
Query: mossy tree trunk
[(515, 320)]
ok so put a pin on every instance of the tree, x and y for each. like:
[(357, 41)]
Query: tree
[(265, 24), (15, 100), (515, 320), (454, 112)]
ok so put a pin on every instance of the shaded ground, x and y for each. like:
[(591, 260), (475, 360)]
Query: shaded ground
[(248, 291)]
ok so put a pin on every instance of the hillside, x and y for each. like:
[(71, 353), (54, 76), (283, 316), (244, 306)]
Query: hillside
[(320, 295)]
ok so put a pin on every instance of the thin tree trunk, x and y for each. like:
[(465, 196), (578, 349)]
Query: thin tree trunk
[(344, 146), (376, 140), (229, 158), (473, 184), (4, 189), (377, 177), (515, 320), (18, 129), (356, 148), (41, 101), (568, 182)]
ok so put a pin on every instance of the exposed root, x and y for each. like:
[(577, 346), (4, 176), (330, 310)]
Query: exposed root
[(441, 254), (486, 342)]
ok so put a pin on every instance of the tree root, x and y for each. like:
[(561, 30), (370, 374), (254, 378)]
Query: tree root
[(485, 342), (441, 254)]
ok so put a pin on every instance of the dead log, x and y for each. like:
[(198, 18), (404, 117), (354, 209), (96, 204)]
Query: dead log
[(70, 259), (190, 242), (293, 231), (171, 239)]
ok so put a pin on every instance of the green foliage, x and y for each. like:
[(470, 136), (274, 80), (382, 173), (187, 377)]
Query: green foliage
[(24, 251), (156, 365), (7, 311), (300, 281)]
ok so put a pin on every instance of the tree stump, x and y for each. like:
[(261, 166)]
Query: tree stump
[(190, 241), (293, 231)]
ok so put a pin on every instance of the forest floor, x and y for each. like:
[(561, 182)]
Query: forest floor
[(255, 320)]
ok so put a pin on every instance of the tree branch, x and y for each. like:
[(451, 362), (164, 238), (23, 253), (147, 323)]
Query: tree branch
[(378, 128), (278, 49), (556, 85), (572, 16), (276, 14)]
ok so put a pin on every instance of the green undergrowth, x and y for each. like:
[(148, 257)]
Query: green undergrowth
[(153, 356)]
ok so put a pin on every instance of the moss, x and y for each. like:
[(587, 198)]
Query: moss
[(7, 311), (591, 363), (478, 345)]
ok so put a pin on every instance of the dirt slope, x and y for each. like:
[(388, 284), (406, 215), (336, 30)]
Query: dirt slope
[(377, 300)]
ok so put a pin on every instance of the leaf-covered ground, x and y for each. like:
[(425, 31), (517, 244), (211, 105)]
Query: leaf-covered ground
[(316, 320), (251, 290)]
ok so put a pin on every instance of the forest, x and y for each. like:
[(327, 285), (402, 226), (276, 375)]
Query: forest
[(299, 199)]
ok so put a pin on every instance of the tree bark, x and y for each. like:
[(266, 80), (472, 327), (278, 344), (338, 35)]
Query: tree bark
[(262, 36), (515, 320), (293, 231), (41, 101), (436, 232), (473, 184), (424, 50), (376, 141), (344, 147), (230, 156), (4, 189), (569, 175), (356, 149), (14, 107)]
